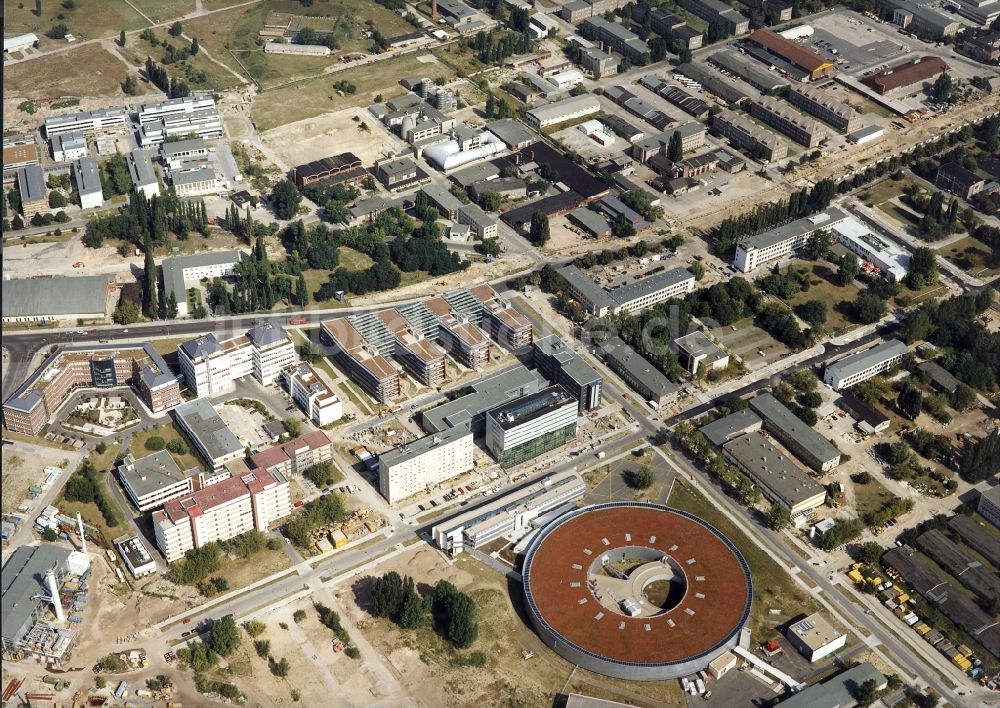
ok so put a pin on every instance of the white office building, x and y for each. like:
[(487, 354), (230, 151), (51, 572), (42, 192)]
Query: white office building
[(90, 123), (184, 271), (421, 465), (143, 175), (153, 480), (87, 179), (564, 110), (815, 637), (313, 395), (859, 367), (255, 500), (196, 115), (211, 367), (194, 182), (781, 242), (890, 259), (68, 146), (531, 425)]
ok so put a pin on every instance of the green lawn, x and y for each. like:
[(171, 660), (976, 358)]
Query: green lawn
[(885, 190), (89, 19), (773, 588), (870, 497), (972, 255), (824, 288), (160, 11), (354, 260), (169, 433), (355, 396), (903, 216)]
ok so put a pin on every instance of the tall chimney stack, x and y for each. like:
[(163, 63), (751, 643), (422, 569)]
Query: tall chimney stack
[(434, 10), (83, 536), (50, 581)]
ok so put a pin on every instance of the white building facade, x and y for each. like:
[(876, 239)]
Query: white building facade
[(313, 396), (212, 367), (860, 367), (425, 463)]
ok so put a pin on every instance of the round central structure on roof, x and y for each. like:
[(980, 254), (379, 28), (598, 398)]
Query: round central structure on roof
[(636, 591)]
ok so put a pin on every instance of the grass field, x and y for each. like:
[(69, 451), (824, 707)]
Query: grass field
[(972, 255), (312, 97), (464, 61), (903, 216), (159, 11), (216, 77), (826, 290), (870, 497), (169, 433), (88, 20), (52, 77), (773, 588), (885, 190)]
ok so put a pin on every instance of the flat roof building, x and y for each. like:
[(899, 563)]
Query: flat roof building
[(859, 367), (25, 605), (58, 298), (887, 258), (484, 395), (210, 435), (696, 351), (732, 62), (137, 557), (804, 442), (838, 692), (32, 190), (637, 371), (921, 19), (183, 271), (732, 426), (68, 146), (782, 241), (141, 171), (528, 427), (482, 224), (151, 481), (321, 404), (557, 361), (815, 637), (989, 506), (779, 478), (88, 183), (631, 297), (728, 88), (423, 464), (564, 110), (363, 362), (104, 121)]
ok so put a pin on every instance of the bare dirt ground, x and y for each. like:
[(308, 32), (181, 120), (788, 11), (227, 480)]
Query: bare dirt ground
[(52, 259), (423, 663), (331, 134), (23, 466)]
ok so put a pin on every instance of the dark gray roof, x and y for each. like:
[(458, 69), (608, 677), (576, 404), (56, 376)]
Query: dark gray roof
[(31, 183), (86, 176), (588, 289), (486, 393), (864, 360), (724, 429), (823, 219), (202, 347), (473, 213), (770, 468), (793, 427), (940, 375), (638, 366), (837, 692), (173, 268), (418, 447), (202, 174), (208, 428), (631, 291), (58, 295), (468, 176), (579, 371), (266, 335), (178, 146), (23, 580), (527, 408), (590, 220), (140, 167), (150, 474)]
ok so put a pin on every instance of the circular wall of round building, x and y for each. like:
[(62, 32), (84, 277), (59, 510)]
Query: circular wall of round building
[(636, 591)]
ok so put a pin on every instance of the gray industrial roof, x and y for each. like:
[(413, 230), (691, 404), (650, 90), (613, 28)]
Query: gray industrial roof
[(396, 166), (140, 167), (660, 281), (211, 431), (88, 179), (638, 366), (698, 344), (178, 146), (864, 360), (770, 468), (473, 213), (838, 692), (588, 289), (173, 269), (793, 427), (58, 295), (591, 220), (442, 197), (203, 174), (560, 110), (579, 371), (66, 141), (468, 176), (865, 132), (416, 448), (724, 429), (486, 393), (940, 375), (151, 473), (31, 183), (23, 580), (821, 220)]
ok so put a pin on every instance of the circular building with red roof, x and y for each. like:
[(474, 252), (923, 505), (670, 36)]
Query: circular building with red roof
[(636, 591)]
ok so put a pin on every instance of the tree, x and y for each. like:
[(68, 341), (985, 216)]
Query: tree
[(322, 475), (818, 245), (121, 38), (909, 401), (869, 307), (292, 426), (941, 89), (867, 693), (412, 614), (675, 148), (195, 47), (280, 668), (155, 443), (803, 380), (224, 636), (130, 86), (490, 201), (963, 398), (848, 269), (58, 31), (302, 291), (177, 447), (462, 627), (286, 198), (641, 478), (176, 29), (387, 595), (149, 300), (778, 517), (126, 313), (923, 268), (262, 647), (538, 234), (697, 270), (869, 553), (812, 311)]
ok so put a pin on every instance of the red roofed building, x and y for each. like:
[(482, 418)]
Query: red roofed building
[(294, 456), (219, 512), (815, 65), (899, 79)]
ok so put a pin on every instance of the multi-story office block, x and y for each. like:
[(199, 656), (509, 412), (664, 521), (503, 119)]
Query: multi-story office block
[(153, 480), (862, 366), (808, 445), (561, 365), (423, 464), (209, 434), (105, 121), (363, 362), (313, 395), (782, 241), (211, 367), (530, 426)]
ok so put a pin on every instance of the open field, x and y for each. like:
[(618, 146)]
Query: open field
[(972, 255), (885, 190), (90, 19), (426, 665), (23, 466), (822, 287), (315, 96), (745, 340), (169, 433), (462, 59), (870, 497), (52, 77), (773, 588), (159, 11), (190, 70), (333, 133)]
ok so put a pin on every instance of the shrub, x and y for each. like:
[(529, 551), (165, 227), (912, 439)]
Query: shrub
[(254, 628), (262, 647), (641, 478), (155, 443), (353, 652), (176, 446), (299, 616)]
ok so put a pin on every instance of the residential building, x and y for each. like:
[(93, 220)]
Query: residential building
[(668, 25), (67, 147), (212, 366), (423, 464), (483, 395), (344, 168), (396, 172), (921, 19), (137, 557), (732, 426), (513, 513), (696, 351), (140, 169), (557, 361), (209, 434), (841, 691), (314, 396), (153, 480), (989, 505), (862, 366), (718, 11), (88, 183), (362, 361), (91, 366), (194, 182), (105, 121), (617, 37), (221, 511), (181, 272), (636, 371), (775, 113), (58, 298), (564, 110), (295, 456), (27, 603), (812, 64), (869, 419), (729, 89), (34, 194), (779, 478), (744, 133), (421, 357), (900, 79), (815, 637), (886, 257), (956, 179), (732, 62), (781, 242), (505, 324), (804, 442), (577, 10), (828, 109), (530, 426), (483, 225)]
